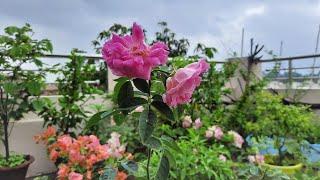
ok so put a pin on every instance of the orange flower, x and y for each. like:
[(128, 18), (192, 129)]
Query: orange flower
[(63, 171), (53, 155), (121, 176), (48, 133)]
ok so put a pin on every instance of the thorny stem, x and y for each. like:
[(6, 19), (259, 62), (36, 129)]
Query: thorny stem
[(149, 149)]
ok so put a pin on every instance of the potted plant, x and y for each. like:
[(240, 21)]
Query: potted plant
[(17, 86), (287, 125)]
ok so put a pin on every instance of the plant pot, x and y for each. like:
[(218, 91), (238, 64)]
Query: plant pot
[(289, 170), (18, 172)]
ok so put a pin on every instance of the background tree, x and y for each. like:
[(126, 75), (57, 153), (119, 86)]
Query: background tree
[(17, 85)]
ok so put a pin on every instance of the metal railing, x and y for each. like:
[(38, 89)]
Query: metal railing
[(290, 67)]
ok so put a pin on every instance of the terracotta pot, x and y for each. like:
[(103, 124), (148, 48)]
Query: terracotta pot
[(18, 172)]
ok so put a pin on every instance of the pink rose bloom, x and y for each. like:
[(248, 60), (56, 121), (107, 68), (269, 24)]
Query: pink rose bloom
[(251, 159), (218, 133), (209, 134), (222, 158), (75, 176), (259, 159), (187, 121), (129, 56), (197, 123), (181, 86), (238, 140)]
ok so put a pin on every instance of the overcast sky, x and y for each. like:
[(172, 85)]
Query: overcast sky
[(75, 23)]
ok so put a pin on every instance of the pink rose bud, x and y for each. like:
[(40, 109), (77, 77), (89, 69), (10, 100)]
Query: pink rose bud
[(209, 134), (218, 133), (181, 86), (238, 140), (197, 123), (259, 159), (187, 121), (129, 56), (222, 158)]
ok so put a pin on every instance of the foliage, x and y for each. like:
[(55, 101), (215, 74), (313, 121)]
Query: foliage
[(199, 160), (74, 91), (264, 114), (177, 47), (17, 48), (253, 172), (13, 161), (287, 124)]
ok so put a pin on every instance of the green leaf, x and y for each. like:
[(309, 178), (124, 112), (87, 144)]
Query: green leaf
[(10, 88), (153, 143), (164, 109), (95, 119), (209, 52), (108, 174), (34, 88), (170, 157), (119, 118), (147, 123), (134, 101), (125, 93), (158, 87), (11, 30), (171, 144), (141, 84), (130, 166), (116, 90), (164, 167), (38, 104)]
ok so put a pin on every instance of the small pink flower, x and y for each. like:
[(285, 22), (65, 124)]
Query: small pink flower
[(54, 155), (75, 176), (222, 158), (259, 159), (218, 133), (251, 159), (63, 171), (114, 148), (139, 109), (209, 134), (197, 123), (75, 156), (187, 121), (180, 87), (129, 56), (238, 140), (64, 142)]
